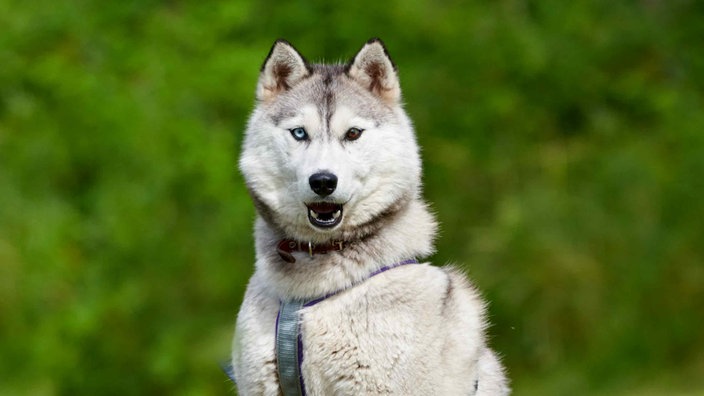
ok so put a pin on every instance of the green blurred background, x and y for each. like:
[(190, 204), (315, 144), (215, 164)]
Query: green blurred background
[(564, 155)]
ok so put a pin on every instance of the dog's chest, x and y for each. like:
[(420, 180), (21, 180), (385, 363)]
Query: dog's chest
[(370, 339), (366, 340)]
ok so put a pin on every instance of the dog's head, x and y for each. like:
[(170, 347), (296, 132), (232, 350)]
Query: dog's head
[(329, 149)]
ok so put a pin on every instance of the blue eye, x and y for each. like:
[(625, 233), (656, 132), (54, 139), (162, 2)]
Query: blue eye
[(299, 133)]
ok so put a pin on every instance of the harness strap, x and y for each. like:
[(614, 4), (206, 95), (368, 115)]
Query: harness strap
[(289, 345), (288, 351), (226, 367)]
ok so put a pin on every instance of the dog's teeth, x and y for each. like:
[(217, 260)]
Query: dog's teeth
[(313, 213), (336, 214)]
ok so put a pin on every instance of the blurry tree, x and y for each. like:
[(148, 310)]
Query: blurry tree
[(564, 153)]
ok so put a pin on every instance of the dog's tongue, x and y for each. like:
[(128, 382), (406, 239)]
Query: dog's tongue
[(323, 207)]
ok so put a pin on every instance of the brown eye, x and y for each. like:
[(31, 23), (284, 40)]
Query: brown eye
[(353, 134)]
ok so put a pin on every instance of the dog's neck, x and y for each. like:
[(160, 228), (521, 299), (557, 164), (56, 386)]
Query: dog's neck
[(409, 234), (286, 247)]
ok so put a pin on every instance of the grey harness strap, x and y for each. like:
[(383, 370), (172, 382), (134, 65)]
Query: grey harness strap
[(289, 346)]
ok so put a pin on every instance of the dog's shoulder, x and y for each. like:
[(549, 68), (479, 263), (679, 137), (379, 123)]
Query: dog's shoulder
[(444, 290)]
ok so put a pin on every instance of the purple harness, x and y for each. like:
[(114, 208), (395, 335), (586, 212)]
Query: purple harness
[(289, 345)]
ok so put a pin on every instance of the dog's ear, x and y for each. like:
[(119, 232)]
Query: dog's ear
[(283, 68), (374, 70)]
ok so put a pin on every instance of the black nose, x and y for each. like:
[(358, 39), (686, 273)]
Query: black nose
[(323, 183)]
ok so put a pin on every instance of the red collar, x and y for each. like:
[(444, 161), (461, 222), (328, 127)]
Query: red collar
[(286, 246)]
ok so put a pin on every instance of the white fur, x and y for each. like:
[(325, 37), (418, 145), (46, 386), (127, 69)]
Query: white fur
[(412, 330)]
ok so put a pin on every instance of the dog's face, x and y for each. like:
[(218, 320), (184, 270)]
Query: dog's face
[(328, 149)]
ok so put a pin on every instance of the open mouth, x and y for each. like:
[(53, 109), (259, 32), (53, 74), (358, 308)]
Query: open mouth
[(324, 214)]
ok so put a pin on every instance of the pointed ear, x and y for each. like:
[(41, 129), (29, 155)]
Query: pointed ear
[(283, 68), (373, 69)]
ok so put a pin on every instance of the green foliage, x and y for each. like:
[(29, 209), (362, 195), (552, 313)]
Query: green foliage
[(564, 153)]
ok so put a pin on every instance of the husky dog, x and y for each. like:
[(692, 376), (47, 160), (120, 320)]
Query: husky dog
[(337, 304)]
